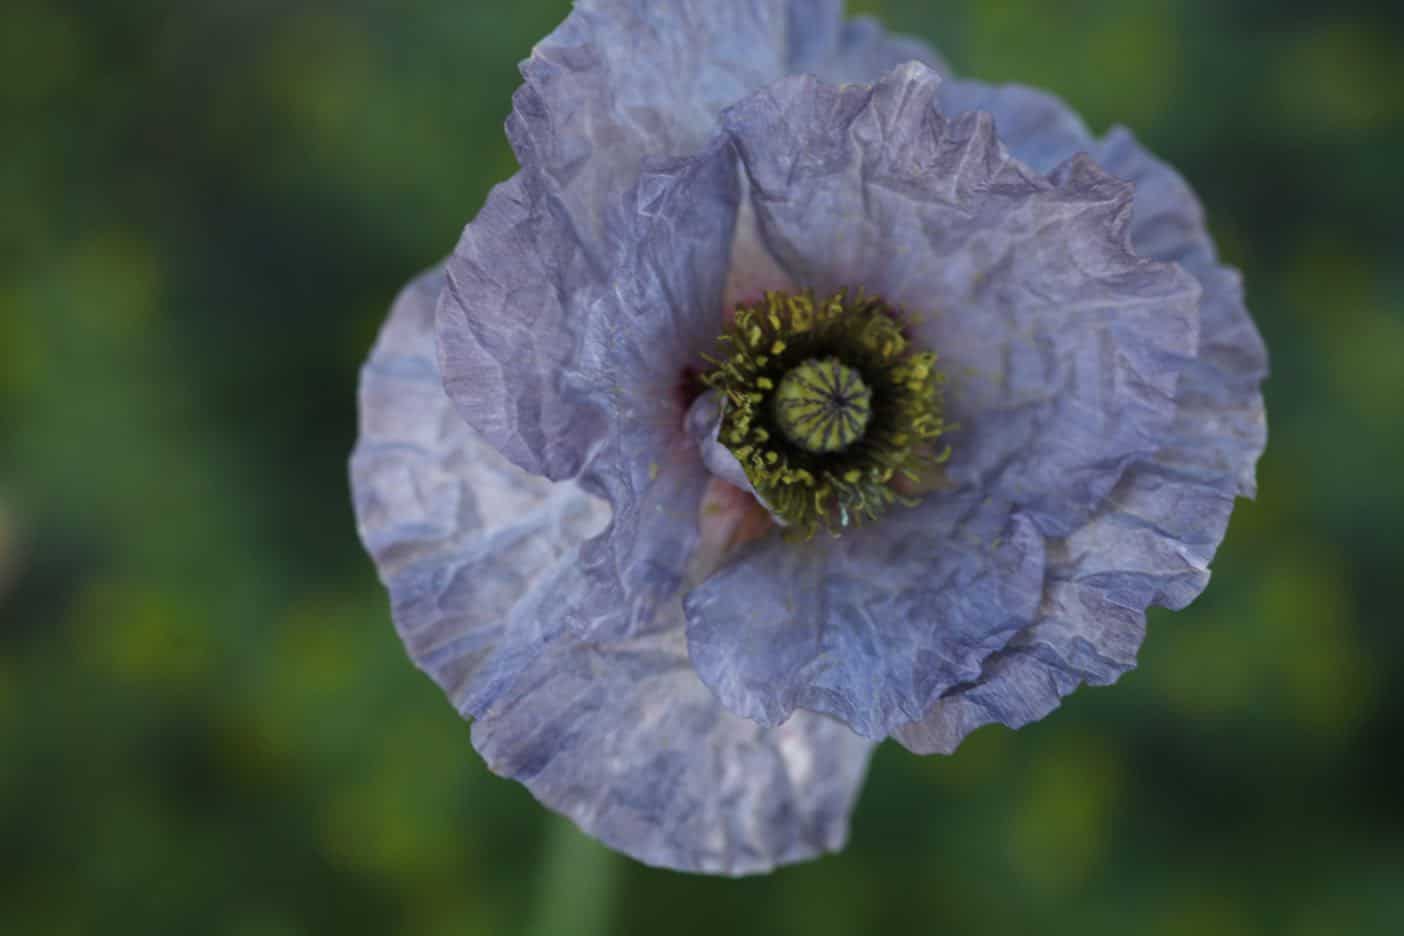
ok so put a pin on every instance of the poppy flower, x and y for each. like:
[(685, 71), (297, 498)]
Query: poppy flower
[(792, 396)]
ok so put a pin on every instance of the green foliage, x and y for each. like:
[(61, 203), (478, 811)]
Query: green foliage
[(207, 724)]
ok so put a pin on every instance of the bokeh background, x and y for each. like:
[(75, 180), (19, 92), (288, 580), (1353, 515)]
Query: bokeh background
[(207, 724)]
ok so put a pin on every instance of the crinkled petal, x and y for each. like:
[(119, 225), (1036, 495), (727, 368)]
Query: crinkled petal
[(1168, 224), (662, 312), (704, 421), (1221, 427), (474, 551), (1038, 129), (617, 378), (622, 81), (871, 627), (1152, 541), (1062, 347), (624, 739), (518, 279), (838, 51)]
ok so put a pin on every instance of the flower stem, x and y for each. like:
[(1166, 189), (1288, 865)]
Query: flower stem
[(575, 895)]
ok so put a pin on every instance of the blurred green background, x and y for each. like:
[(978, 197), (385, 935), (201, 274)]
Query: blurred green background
[(207, 724)]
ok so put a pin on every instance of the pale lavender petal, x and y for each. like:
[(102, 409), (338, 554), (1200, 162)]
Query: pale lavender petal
[(662, 312), (1220, 428), (596, 373), (1168, 224), (1036, 127), (622, 81), (873, 626), (517, 284), (1152, 542), (704, 421), (624, 739), (473, 550)]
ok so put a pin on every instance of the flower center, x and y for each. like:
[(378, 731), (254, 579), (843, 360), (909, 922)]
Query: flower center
[(826, 405), (823, 405)]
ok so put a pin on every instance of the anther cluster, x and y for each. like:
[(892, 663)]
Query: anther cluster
[(827, 406)]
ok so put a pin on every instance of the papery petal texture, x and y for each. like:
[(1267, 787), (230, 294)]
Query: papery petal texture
[(1150, 543), (623, 81), (519, 275), (624, 739), (522, 333), (620, 737), (472, 549), (662, 312), (873, 626), (1038, 129)]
